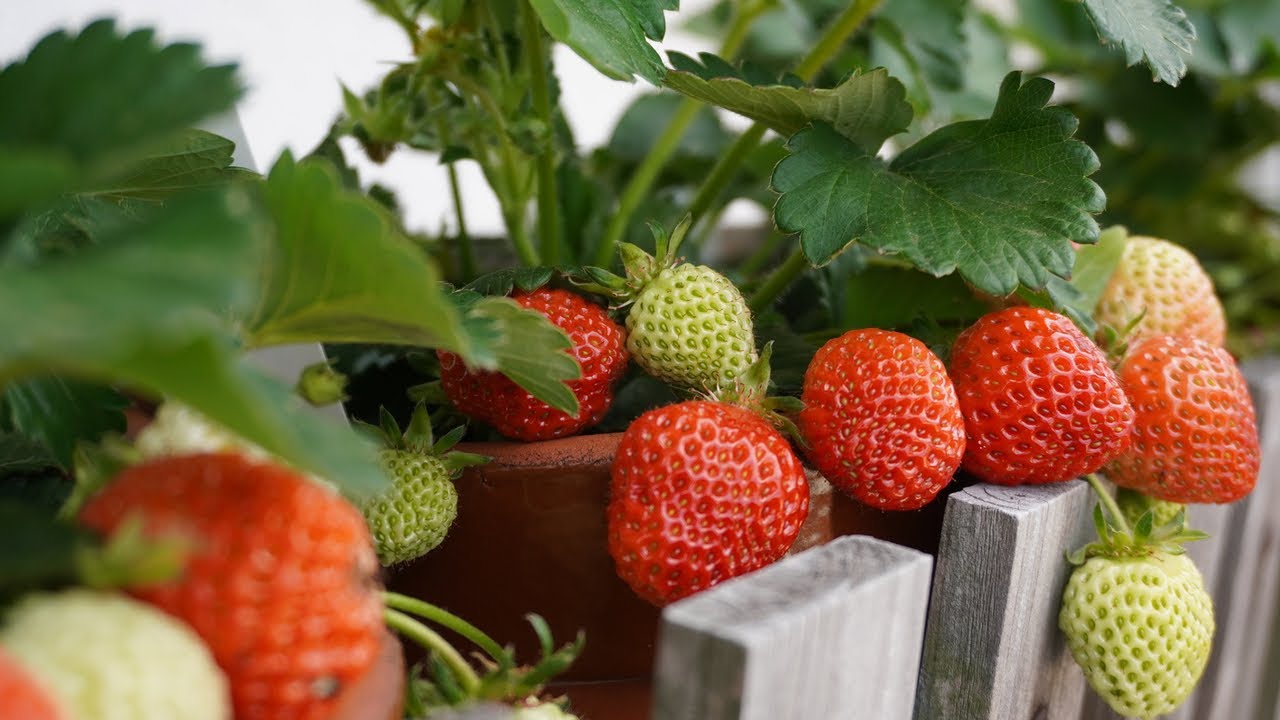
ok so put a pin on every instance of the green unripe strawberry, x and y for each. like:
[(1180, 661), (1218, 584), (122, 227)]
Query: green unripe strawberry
[(413, 515), (1133, 504), (690, 326), (105, 656), (1141, 629), (1136, 615)]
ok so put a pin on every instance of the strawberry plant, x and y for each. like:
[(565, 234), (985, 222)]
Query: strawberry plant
[(933, 291)]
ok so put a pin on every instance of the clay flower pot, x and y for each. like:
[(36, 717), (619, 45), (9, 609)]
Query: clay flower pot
[(530, 537)]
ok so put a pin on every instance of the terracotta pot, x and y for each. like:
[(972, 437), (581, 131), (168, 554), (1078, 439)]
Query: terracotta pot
[(531, 537)]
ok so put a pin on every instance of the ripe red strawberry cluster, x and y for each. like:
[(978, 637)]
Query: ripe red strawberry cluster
[(706, 490)]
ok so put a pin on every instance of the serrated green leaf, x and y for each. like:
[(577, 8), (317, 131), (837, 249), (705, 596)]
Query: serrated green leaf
[(867, 108), (39, 550), (29, 177), (59, 412), (998, 200), (189, 160), (339, 271), (502, 282), (612, 35), (1155, 31), (525, 347), (100, 93), (1095, 264), (144, 310)]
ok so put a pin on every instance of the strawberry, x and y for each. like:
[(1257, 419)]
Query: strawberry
[(688, 324), (1040, 402), (881, 419), (280, 582), (701, 491), (1165, 285), (21, 696), (105, 656), (411, 517), (598, 345), (1136, 616), (1134, 504), (1195, 439)]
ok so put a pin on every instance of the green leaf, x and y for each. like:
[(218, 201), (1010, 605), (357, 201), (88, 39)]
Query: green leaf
[(997, 200), (99, 94), (143, 311), (612, 35), (888, 297), (32, 176), (188, 160), (867, 108), (643, 123), (502, 282), (922, 41), (39, 551), (525, 347), (60, 412), (1095, 264), (20, 454), (1250, 30), (1156, 31), (339, 270)]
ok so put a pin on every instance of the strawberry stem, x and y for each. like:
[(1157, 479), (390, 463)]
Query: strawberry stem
[(431, 641), (1117, 517), (439, 615)]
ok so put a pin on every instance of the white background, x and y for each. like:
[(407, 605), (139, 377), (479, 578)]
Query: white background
[(293, 54)]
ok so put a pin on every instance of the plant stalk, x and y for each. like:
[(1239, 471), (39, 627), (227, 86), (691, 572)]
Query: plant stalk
[(828, 45), (430, 640), (778, 280), (427, 611), (1108, 502), (641, 183), (762, 254), (537, 59)]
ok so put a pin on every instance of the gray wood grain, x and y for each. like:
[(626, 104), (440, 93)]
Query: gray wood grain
[(1242, 683), (833, 632), (992, 648)]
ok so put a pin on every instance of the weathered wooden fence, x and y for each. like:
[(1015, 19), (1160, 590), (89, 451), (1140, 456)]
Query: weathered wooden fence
[(842, 631)]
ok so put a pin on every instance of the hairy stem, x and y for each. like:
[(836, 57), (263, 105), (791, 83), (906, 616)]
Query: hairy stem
[(778, 280), (435, 614), (1108, 502), (641, 183), (548, 195), (431, 641)]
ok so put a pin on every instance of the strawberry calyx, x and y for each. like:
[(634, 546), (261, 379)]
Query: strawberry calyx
[(128, 558), (640, 267), (750, 391), (420, 438), (1117, 539)]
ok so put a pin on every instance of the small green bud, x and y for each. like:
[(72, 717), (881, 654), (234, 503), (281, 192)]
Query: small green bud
[(321, 385)]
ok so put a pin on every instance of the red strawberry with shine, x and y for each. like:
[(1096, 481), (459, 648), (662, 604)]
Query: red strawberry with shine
[(881, 419), (1040, 402), (280, 580), (1195, 439), (702, 492), (599, 344)]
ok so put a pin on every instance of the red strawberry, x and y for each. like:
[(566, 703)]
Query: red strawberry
[(20, 695), (280, 582), (702, 491), (1040, 402), (1195, 439), (881, 419), (705, 490), (599, 344)]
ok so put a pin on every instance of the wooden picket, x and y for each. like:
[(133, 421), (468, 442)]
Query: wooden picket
[(992, 648), (833, 632)]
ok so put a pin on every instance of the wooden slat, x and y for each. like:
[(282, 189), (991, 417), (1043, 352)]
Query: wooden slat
[(1246, 588), (833, 632), (992, 648)]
